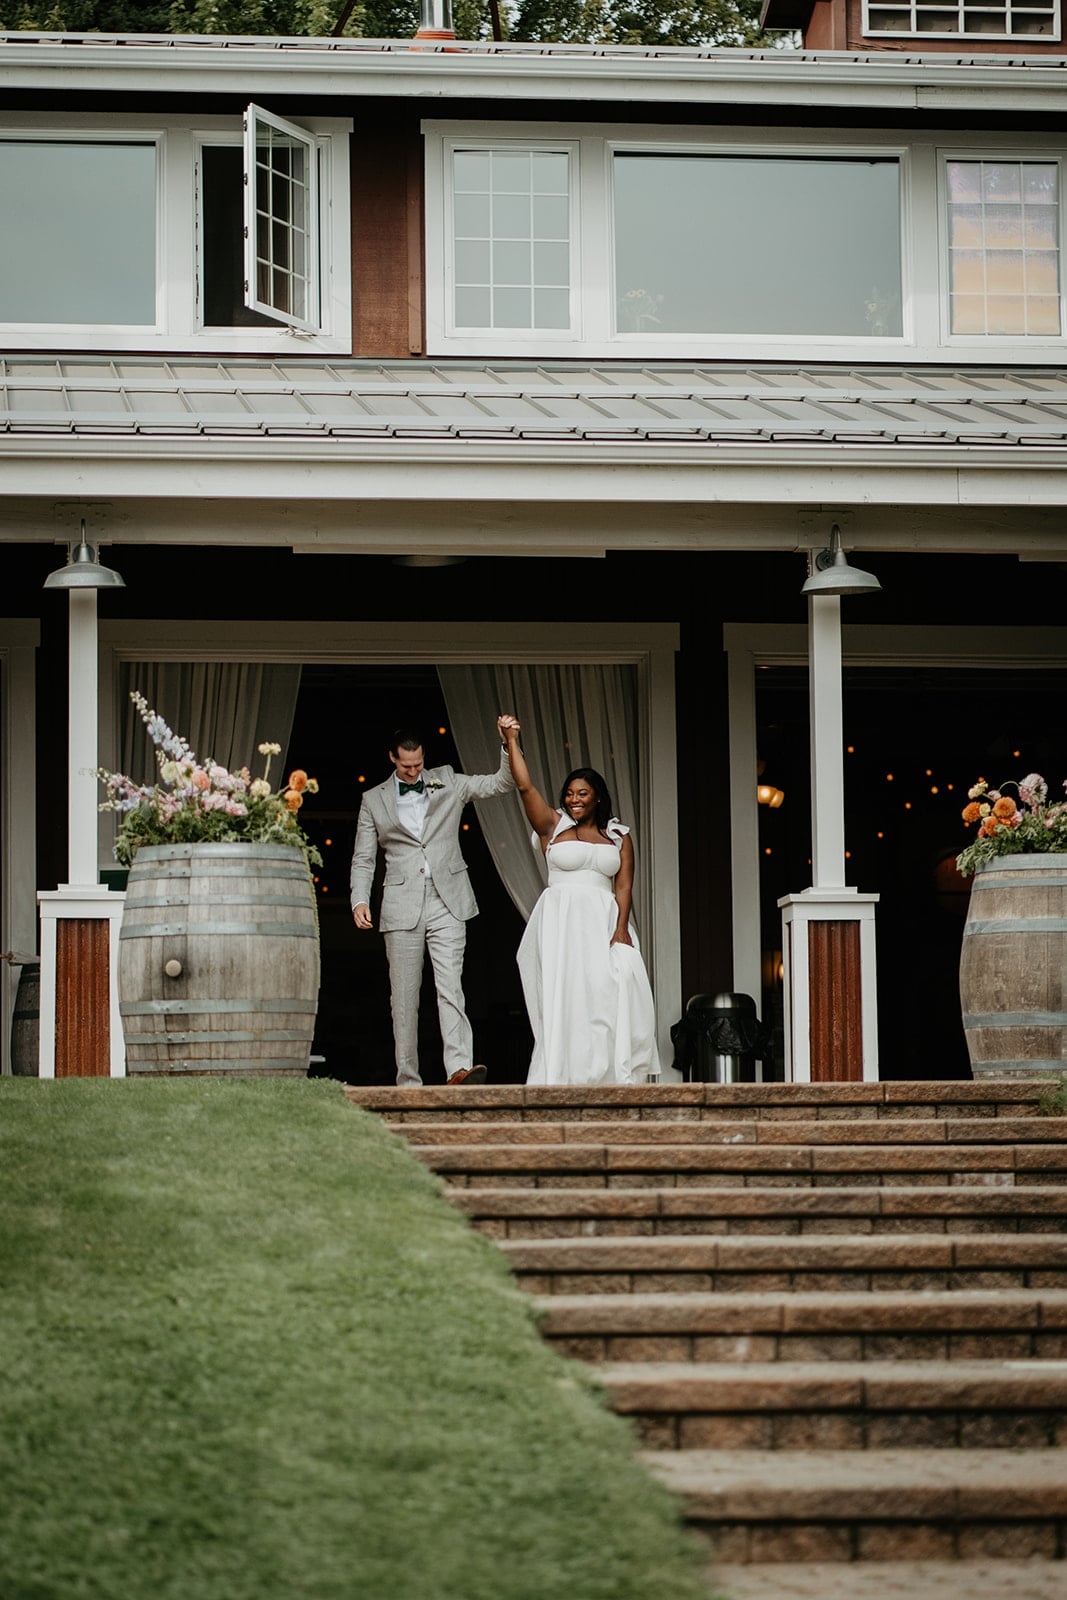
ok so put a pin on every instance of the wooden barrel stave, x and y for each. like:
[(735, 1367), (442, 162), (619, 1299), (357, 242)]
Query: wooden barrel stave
[(1013, 968), (240, 920)]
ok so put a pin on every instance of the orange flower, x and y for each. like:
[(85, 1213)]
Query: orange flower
[(972, 812), (1005, 809), (293, 799), (298, 779), (989, 827)]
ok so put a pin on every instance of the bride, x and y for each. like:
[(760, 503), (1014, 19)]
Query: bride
[(585, 984)]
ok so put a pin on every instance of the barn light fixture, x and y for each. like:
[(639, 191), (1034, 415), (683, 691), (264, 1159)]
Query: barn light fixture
[(83, 571), (833, 575)]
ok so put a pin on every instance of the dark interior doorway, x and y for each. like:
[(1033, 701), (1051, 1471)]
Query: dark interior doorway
[(344, 718), (916, 739)]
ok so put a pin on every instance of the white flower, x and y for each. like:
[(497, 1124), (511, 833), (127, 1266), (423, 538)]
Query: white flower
[(259, 789), (433, 783), (269, 749)]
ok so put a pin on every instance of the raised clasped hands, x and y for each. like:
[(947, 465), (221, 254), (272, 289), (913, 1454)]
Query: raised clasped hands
[(508, 726)]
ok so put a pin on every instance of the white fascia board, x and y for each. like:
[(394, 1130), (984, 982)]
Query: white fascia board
[(790, 477), (736, 77)]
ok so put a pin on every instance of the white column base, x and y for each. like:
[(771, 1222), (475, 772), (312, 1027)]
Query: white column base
[(79, 902), (830, 996)]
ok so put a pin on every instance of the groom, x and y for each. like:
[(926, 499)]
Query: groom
[(427, 899)]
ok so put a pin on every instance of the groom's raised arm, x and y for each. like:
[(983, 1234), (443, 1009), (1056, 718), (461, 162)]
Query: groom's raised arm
[(483, 785)]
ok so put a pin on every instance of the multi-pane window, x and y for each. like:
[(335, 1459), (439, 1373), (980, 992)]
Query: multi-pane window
[(1008, 19), (724, 244), (281, 226), (511, 238), (78, 235), (1004, 247)]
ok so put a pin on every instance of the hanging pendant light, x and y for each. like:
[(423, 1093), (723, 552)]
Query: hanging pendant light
[(833, 575), (83, 571)]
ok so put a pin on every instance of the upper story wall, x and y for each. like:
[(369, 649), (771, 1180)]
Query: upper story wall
[(509, 205)]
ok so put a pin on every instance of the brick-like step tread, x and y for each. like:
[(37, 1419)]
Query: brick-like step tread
[(558, 1213), (974, 1578), (566, 1165), (959, 1325), (726, 1263), (840, 1506), (852, 1406), (675, 1101), (794, 1131)]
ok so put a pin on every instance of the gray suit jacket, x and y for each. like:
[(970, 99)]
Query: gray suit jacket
[(379, 824)]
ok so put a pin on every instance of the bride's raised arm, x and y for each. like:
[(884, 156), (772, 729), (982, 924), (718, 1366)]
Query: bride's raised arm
[(543, 817)]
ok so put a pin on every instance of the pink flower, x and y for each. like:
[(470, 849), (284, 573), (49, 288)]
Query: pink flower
[(201, 780)]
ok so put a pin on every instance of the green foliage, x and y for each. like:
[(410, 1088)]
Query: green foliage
[(251, 1353), (642, 22), (652, 23), (1053, 1100)]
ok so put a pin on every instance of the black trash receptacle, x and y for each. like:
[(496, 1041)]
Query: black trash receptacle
[(719, 1039)]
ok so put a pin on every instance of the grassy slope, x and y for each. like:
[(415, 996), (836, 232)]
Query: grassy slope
[(247, 1352)]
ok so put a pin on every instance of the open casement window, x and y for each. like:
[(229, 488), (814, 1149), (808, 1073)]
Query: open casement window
[(281, 220)]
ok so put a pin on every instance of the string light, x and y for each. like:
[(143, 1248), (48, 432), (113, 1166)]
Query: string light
[(889, 777)]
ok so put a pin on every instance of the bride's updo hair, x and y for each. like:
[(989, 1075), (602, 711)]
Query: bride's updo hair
[(599, 788)]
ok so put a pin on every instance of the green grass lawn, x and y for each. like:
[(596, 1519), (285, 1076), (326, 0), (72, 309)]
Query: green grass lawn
[(248, 1352)]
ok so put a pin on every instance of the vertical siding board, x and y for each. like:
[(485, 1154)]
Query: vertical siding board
[(836, 1028), (83, 1016), (388, 315)]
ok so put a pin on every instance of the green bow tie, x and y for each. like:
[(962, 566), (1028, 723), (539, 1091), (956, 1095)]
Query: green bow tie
[(411, 788)]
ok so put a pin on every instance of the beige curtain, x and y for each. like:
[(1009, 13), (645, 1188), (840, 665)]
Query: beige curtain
[(571, 717), (223, 709)]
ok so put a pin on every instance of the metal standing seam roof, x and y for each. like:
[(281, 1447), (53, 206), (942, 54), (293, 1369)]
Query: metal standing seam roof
[(142, 401)]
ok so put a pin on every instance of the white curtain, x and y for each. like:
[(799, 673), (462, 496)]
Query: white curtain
[(571, 717), (223, 709)]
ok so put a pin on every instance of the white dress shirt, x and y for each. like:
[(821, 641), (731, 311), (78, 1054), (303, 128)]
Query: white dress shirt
[(411, 809)]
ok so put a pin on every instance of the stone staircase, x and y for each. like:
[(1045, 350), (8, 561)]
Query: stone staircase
[(836, 1314)]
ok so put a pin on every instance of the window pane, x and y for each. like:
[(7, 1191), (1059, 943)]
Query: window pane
[(722, 244), (511, 237), (222, 264), (284, 243), (78, 235), (1004, 270)]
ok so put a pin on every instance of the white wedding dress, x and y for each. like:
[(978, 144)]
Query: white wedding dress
[(590, 1002)]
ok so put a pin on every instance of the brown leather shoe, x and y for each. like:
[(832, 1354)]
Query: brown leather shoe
[(466, 1075)]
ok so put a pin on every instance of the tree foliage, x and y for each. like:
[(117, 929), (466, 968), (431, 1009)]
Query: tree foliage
[(652, 23)]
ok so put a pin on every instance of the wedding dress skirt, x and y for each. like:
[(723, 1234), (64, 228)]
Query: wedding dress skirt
[(589, 1000)]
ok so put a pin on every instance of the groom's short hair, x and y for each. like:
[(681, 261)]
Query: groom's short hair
[(405, 739)]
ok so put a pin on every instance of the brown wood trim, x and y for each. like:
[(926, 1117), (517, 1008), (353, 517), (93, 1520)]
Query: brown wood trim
[(387, 273), (83, 985), (835, 1024)]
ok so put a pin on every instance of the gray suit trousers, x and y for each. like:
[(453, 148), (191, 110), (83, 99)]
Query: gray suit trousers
[(445, 936)]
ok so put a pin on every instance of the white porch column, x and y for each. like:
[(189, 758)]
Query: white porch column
[(831, 1005), (80, 1026)]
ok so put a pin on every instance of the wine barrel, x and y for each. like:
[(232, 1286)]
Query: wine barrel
[(219, 961), (26, 1022), (1013, 968)]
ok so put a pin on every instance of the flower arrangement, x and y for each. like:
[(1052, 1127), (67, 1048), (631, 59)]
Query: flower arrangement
[(199, 802), (1007, 827)]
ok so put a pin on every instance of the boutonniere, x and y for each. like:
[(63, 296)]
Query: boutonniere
[(433, 783)]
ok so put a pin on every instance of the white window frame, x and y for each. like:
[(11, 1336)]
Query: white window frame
[(255, 117), (592, 270), (915, 9), (441, 284), (179, 325), (997, 341), (924, 254)]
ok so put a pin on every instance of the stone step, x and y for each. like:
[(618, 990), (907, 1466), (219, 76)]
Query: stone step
[(838, 1506), (737, 1164), (684, 1101), (842, 1405), (967, 1578), (794, 1131), (563, 1213), (999, 1325), (727, 1264)]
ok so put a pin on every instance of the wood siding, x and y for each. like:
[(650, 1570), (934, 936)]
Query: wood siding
[(836, 1017), (388, 318), (83, 975)]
